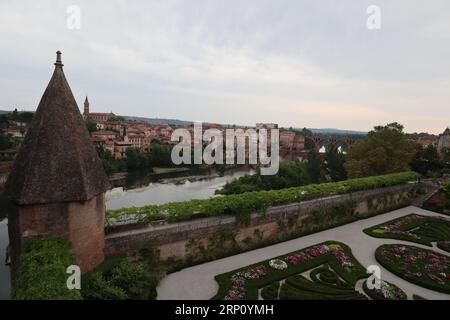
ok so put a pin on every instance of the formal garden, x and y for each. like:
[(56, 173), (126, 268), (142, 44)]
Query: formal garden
[(329, 270), (321, 272)]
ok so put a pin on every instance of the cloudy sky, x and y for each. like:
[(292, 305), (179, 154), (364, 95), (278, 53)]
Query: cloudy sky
[(297, 63)]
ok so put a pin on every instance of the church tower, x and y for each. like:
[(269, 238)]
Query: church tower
[(57, 184), (86, 107)]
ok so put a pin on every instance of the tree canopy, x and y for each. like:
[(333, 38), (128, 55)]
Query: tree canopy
[(385, 149)]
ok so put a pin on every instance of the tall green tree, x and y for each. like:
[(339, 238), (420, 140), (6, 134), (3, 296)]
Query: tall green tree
[(385, 149), (160, 155), (136, 159), (313, 166), (5, 141), (91, 125), (334, 161), (426, 160)]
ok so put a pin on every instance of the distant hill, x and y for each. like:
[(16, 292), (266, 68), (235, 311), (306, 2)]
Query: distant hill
[(174, 122), (332, 131)]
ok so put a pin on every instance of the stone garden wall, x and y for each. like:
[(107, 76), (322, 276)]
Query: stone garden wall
[(210, 238)]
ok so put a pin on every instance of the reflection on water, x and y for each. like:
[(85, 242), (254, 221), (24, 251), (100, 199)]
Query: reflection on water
[(4, 270), (169, 189)]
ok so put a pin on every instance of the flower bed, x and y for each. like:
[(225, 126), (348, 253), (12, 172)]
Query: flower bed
[(235, 285), (415, 228), (278, 264), (387, 291), (423, 267)]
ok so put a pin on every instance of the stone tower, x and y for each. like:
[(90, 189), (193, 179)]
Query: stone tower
[(57, 183), (86, 107)]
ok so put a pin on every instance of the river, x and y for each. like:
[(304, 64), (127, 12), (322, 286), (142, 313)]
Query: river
[(170, 189), (151, 190)]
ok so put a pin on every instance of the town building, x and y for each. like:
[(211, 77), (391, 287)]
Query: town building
[(120, 148), (444, 141), (427, 140)]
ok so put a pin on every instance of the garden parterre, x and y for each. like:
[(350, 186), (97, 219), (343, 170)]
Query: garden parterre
[(414, 228), (342, 269)]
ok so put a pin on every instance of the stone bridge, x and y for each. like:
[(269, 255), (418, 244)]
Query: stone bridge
[(341, 141)]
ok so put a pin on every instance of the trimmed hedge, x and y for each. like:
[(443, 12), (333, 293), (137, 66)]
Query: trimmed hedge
[(242, 205), (325, 284), (42, 271)]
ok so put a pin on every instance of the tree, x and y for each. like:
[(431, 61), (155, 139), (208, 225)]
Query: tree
[(160, 155), (110, 164), (334, 163), (426, 160), (313, 166), (135, 159), (5, 141), (306, 132), (386, 149), (4, 123), (116, 118), (91, 125), (25, 116), (15, 114)]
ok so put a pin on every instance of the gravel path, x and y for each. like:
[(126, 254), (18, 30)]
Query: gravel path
[(198, 282)]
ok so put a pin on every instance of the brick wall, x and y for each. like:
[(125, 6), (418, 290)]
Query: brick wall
[(82, 223)]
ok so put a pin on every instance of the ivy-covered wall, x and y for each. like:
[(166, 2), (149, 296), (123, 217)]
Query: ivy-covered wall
[(211, 238)]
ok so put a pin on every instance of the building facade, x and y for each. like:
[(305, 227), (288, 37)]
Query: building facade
[(444, 141)]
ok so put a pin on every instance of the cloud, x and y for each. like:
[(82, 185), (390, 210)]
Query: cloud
[(300, 63)]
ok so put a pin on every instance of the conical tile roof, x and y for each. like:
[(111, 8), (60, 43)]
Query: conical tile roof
[(57, 161)]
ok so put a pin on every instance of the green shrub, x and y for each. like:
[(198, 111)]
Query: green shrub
[(446, 189), (241, 205), (123, 281), (42, 271), (98, 288)]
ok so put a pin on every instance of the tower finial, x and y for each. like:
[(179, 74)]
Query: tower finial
[(58, 62)]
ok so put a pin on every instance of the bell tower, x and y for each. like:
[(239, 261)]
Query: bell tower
[(86, 107)]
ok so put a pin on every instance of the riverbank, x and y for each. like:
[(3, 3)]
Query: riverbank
[(158, 170)]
